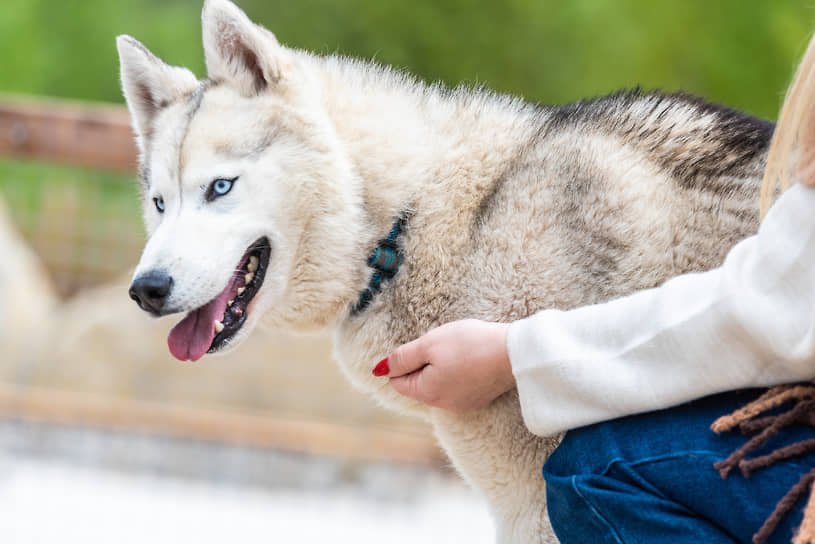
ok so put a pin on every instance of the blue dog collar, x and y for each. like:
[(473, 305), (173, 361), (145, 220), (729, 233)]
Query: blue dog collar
[(385, 260)]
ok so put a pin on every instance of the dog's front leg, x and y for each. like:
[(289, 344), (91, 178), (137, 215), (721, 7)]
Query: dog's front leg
[(495, 452)]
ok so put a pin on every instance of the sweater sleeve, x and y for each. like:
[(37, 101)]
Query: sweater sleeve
[(750, 322)]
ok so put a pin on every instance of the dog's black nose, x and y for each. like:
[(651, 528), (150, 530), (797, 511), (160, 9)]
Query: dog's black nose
[(151, 290)]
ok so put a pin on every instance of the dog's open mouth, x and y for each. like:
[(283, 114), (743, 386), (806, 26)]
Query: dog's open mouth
[(210, 327)]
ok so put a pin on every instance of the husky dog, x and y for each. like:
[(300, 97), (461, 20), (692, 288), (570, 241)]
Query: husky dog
[(320, 191)]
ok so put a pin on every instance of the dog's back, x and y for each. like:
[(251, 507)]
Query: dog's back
[(609, 196)]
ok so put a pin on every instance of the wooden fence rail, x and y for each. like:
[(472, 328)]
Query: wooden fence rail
[(83, 134), (223, 426)]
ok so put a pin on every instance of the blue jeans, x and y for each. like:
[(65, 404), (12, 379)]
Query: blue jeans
[(650, 479)]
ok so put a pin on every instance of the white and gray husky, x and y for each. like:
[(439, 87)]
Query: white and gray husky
[(320, 191)]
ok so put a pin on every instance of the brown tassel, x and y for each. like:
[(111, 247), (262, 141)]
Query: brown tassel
[(781, 421), (798, 449), (786, 504), (771, 399), (747, 420), (754, 426)]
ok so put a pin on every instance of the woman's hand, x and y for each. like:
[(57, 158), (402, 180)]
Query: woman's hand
[(461, 366)]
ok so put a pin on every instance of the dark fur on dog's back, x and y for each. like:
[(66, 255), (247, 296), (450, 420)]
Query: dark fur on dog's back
[(713, 155), (728, 146)]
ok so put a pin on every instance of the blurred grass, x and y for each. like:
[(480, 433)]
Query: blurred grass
[(85, 224), (25, 184), (739, 52)]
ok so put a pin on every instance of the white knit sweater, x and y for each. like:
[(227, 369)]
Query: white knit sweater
[(750, 322)]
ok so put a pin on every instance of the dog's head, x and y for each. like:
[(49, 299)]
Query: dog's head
[(243, 185)]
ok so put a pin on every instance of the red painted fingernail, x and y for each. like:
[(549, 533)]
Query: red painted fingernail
[(381, 369)]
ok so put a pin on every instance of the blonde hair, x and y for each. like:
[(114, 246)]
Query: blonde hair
[(793, 123)]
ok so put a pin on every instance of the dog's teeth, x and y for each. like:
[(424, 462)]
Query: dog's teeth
[(218, 327), (240, 291), (247, 278), (253, 263)]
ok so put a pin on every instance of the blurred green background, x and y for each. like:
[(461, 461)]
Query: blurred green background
[(738, 52)]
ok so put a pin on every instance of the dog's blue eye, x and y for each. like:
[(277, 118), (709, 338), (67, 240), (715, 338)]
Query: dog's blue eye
[(159, 202), (219, 187)]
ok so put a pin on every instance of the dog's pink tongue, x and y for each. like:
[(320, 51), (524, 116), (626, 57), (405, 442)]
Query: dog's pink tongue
[(191, 338)]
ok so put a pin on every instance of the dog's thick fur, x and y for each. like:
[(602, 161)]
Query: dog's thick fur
[(514, 208)]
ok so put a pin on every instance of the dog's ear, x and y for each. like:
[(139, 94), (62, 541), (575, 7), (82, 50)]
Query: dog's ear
[(149, 84), (238, 51)]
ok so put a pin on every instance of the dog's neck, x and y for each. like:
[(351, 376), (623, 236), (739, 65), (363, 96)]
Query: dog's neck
[(410, 147), (416, 146)]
